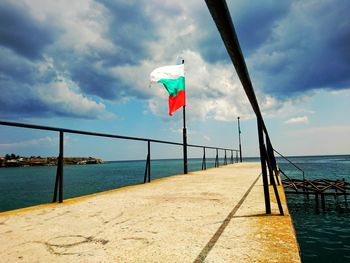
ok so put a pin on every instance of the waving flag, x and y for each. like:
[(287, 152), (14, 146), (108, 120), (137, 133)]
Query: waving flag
[(173, 79)]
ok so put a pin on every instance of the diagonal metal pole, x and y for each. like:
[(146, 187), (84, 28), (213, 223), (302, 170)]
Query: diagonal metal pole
[(222, 18), (263, 168)]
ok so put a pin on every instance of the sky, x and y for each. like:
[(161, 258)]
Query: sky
[(85, 65)]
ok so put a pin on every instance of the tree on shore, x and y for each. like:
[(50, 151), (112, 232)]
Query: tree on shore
[(11, 156)]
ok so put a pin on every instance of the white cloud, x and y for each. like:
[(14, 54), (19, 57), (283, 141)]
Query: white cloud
[(342, 92), (61, 96), (298, 120), (44, 141), (214, 90)]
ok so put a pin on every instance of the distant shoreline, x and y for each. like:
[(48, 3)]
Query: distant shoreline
[(6, 162), (52, 161)]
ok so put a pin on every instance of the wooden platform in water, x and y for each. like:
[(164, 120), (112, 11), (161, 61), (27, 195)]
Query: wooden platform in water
[(217, 215)]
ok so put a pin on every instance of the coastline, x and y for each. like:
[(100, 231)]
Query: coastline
[(46, 161)]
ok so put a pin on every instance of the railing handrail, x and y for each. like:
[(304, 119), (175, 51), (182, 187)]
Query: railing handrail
[(285, 158), (48, 128), (58, 188)]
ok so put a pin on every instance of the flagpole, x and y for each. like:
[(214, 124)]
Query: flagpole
[(184, 136)]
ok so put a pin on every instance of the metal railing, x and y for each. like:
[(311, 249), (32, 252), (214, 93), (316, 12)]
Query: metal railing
[(289, 161), (222, 18), (58, 189)]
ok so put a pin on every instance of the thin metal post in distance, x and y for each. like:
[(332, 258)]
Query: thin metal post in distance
[(147, 177), (217, 158), (149, 160), (204, 164), (184, 141), (61, 163), (59, 173), (239, 137)]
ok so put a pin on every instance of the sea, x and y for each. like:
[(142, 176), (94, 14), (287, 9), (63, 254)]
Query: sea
[(323, 235)]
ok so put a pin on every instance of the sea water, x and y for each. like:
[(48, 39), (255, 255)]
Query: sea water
[(323, 236), (28, 186)]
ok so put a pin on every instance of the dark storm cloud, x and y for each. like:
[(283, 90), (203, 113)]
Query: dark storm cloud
[(18, 80), (21, 33), (17, 100), (26, 45), (309, 50), (209, 43), (15, 67), (253, 23), (290, 46), (98, 82), (129, 29)]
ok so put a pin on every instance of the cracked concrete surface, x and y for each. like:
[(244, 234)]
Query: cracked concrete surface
[(168, 220)]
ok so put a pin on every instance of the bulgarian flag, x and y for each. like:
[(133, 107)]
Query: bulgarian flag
[(173, 79)]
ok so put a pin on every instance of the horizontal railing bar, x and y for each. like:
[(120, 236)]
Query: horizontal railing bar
[(209, 147), (285, 158), (316, 193), (47, 128)]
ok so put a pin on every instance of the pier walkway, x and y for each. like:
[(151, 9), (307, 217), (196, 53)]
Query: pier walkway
[(217, 215)]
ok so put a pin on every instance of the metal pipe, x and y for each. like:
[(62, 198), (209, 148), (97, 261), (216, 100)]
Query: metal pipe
[(147, 177), (297, 167), (263, 168), (222, 18), (240, 144), (184, 140), (184, 136), (56, 129), (204, 165), (149, 160), (60, 168)]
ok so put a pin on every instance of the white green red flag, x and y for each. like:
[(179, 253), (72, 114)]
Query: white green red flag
[(173, 79)]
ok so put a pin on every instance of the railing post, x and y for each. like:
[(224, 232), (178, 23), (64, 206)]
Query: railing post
[(147, 177), (263, 166), (240, 144), (59, 173), (204, 164), (269, 165), (271, 156), (273, 183), (185, 141), (217, 158), (225, 159), (231, 157)]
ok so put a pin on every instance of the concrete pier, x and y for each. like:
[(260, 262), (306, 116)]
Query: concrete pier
[(217, 215)]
